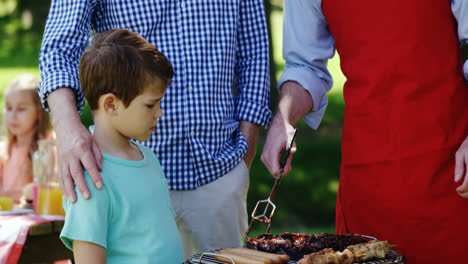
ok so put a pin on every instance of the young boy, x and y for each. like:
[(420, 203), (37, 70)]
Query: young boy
[(131, 219)]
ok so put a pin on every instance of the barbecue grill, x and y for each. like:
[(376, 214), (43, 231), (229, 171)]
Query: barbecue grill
[(393, 257), (208, 258)]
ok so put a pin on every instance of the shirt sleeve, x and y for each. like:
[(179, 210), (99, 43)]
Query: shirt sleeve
[(307, 46), (460, 11), (252, 65), (87, 220), (66, 35)]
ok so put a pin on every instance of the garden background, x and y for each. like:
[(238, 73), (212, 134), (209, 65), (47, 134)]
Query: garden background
[(305, 199)]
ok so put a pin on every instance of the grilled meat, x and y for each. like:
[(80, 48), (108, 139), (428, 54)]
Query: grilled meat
[(371, 250), (298, 245), (328, 256)]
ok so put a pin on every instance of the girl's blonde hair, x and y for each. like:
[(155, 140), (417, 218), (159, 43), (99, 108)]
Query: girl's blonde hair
[(29, 83)]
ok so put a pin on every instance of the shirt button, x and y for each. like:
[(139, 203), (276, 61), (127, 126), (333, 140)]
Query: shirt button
[(192, 133), (182, 5), (190, 87)]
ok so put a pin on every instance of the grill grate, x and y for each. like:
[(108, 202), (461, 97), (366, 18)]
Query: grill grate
[(392, 258)]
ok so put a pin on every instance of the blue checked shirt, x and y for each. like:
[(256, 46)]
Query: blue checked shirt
[(211, 44)]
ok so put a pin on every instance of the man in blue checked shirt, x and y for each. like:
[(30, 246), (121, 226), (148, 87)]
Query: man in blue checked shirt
[(207, 137)]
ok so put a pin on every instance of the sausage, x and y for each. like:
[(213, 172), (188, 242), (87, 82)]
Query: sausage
[(276, 258), (284, 258), (240, 258)]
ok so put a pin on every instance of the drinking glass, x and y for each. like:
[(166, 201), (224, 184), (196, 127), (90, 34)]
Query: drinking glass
[(49, 194)]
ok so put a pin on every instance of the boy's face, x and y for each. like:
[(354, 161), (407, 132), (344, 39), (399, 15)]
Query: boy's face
[(139, 119)]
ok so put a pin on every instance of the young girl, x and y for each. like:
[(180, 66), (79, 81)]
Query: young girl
[(26, 122)]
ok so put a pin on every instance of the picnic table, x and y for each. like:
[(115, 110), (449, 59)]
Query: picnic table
[(30, 238)]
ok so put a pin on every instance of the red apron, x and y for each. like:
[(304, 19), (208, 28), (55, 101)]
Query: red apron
[(406, 115)]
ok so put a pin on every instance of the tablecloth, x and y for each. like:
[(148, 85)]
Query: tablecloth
[(14, 231)]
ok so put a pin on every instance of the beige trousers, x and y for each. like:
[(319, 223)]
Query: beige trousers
[(214, 215)]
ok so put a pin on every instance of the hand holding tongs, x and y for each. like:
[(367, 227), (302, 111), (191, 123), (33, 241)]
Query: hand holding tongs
[(263, 218)]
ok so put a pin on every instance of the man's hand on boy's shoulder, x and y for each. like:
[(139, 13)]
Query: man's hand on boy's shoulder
[(79, 150), (75, 146)]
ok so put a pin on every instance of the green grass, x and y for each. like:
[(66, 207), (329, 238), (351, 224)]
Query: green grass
[(7, 74)]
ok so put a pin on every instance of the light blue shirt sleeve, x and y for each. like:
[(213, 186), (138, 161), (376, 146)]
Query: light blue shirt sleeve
[(460, 11), (307, 46), (87, 220)]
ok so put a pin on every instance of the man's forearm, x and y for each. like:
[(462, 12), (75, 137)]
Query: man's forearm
[(295, 102), (62, 106)]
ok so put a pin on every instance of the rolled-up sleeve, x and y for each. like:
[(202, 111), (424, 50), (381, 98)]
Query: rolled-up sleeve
[(307, 46), (252, 66), (65, 37), (460, 11)]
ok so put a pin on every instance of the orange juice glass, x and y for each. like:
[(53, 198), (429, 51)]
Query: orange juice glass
[(49, 201), (49, 195), (6, 203)]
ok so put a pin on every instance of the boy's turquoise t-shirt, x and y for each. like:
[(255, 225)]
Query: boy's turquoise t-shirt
[(132, 216)]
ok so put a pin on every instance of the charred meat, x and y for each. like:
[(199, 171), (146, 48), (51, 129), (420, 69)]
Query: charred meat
[(298, 245), (354, 253)]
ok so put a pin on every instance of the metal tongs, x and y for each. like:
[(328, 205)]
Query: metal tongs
[(263, 217)]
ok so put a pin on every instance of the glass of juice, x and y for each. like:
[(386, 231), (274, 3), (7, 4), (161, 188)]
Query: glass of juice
[(49, 195), (49, 200), (6, 203)]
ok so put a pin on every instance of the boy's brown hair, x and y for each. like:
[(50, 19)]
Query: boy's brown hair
[(121, 62)]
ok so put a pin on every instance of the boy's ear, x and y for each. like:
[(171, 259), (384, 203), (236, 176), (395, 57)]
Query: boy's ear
[(110, 103)]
